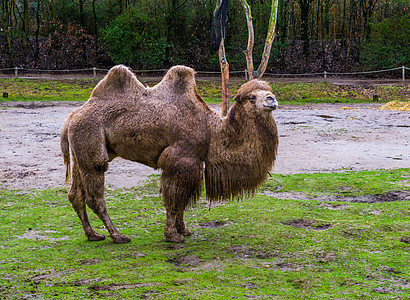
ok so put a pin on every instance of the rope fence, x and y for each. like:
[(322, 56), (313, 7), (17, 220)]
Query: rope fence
[(94, 71)]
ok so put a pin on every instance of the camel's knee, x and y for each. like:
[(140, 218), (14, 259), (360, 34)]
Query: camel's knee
[(181, 183), (76, 198), (97, 205)]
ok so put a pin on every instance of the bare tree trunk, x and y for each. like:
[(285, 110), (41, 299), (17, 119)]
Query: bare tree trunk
[(223, 62), (304, 18), (37, 33), (82, 13), (225, 78), (249, 49), (269, 39), (25, 24), (368, 9), (7, 7), (95, 19), (268, 42)]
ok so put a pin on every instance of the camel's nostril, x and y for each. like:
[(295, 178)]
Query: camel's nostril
[(271, 103)]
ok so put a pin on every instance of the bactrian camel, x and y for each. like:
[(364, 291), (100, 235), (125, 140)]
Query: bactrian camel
[(168, 127)]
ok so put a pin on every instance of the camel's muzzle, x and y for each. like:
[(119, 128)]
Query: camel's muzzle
[(271, 103)]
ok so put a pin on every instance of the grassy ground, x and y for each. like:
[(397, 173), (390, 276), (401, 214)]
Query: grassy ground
[(263, 247), (287, 93)]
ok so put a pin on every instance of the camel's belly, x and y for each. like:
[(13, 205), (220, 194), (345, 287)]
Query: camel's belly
[(137, 151)]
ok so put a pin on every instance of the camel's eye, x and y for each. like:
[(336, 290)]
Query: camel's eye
[(252, 98)]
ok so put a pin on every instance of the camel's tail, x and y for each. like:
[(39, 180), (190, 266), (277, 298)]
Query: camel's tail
[(65, 149)]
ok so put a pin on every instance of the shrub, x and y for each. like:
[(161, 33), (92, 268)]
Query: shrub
[(389, 44), (134, 39)]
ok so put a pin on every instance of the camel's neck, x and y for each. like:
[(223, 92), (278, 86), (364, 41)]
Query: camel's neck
[(242, 151)]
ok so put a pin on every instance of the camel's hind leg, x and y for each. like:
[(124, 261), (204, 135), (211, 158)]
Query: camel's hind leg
[(94, 183), (77, 198)]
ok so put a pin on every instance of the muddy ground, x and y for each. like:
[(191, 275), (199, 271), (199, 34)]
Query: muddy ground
[(313, 138)]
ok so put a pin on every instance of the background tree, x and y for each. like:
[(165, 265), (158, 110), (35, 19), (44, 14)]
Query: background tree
[(388, 45), (218, 35), (333, 34), (268, 42)]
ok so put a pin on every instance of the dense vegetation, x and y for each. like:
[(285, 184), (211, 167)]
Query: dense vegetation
[(312, 35)]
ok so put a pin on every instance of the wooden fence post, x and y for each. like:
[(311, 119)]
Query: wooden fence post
[(16, 72), (403, 75)]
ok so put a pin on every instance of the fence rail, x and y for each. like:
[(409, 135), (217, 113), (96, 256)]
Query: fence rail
[(324, 73)]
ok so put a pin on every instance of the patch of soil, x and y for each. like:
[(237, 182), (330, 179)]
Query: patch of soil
[(90, 262), (379, 198), (188, 260), (388, 270), (333, 206), (286, 267), (313, 138), (50, 274), (121, 286), (325, 257), (371, 198), (386, 290), (244, 252), (405, 239), (175, 246), (308, 224), (213, 224), (39, 236), (82, 282)]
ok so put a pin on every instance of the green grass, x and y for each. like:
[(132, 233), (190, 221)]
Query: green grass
[(346, 251), (287, 93), (46, 90), (346, 183)]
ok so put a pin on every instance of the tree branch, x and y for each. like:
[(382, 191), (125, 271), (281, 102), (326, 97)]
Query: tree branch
[(269, 39), (249, 50)]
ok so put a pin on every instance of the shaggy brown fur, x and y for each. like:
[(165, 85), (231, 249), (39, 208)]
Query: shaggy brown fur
[(168, 127)]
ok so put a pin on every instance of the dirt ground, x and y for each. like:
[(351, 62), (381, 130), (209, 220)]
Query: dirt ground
[(313, 138)]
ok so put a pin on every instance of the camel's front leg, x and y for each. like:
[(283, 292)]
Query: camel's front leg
[(180, 184), (180, 224), (171, 233)]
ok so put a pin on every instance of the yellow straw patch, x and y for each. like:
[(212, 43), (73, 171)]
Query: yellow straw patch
[(396, 105)]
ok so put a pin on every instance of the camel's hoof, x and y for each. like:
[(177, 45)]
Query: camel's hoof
[(121, 239), (96, 237), (174, 238)]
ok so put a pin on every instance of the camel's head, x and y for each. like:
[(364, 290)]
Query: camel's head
[(259, 94)]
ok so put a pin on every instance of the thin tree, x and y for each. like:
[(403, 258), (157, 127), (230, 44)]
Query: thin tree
[(268, 42), (218, 43), (37, 31), (304, 18), (7, 8)]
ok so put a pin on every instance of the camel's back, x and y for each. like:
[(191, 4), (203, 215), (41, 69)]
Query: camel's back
[(140, 125)]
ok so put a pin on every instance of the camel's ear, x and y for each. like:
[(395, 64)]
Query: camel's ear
[(239, 97)]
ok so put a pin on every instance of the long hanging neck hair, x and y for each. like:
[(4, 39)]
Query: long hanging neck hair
[(241, 154)]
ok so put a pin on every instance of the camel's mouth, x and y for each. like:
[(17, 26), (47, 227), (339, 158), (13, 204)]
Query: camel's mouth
[(270, 104)]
